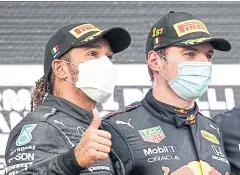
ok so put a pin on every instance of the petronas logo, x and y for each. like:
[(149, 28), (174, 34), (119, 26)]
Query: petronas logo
[(25, 135)]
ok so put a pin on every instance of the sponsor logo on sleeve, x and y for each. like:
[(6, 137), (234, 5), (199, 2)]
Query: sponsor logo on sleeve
[(20, 149), (22, 157), (25, 135), (20, 165), (97, 168), (14, 172)]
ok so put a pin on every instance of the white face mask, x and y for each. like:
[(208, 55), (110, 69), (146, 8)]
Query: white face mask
[(97, 78)]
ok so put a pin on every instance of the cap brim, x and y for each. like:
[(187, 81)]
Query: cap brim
[(217, 43), (118, 38)]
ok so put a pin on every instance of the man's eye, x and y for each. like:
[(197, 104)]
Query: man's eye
[(110, 57), (189, 54), (209, 56), (93, 54)]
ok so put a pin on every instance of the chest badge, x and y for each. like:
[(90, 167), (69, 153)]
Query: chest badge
[(154, 134), (210, 137)]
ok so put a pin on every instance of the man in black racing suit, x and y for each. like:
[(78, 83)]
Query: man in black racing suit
[(63, 135), (229, 123), (165, 134)]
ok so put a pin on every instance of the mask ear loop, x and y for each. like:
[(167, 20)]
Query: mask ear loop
[(69, 62), (168, 58), (66, 78), (159, 71), (70, 81), (164, 76)]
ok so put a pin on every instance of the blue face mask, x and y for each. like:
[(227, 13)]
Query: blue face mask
[(192, 80)]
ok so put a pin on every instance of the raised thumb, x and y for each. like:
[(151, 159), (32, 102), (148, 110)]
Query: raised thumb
[(96, 122)]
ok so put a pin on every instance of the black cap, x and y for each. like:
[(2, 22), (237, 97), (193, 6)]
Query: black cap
[(182, 29), (80, 34)]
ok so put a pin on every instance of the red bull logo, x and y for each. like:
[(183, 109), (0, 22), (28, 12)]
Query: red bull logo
[(193, 168), (191, 119)]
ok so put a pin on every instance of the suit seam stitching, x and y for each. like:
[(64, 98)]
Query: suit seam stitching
[(60, 134), (124, 139)]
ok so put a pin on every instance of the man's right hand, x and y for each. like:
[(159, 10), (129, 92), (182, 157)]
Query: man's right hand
[(94, 145)]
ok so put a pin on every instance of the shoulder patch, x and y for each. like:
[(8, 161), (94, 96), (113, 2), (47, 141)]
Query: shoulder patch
[(124, 109), (25, 136)]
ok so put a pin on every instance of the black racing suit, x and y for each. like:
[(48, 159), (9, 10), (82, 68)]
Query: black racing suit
[(43, 142), (229, 123), (153, 138)]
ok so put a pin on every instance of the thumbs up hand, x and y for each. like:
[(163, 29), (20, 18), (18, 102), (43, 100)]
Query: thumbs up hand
[(94, 145)]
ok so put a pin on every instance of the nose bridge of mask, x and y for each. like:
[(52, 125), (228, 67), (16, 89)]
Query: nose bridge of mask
[(96, 62), (191, 67), (191, 63)]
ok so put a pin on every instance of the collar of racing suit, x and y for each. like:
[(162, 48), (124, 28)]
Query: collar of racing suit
[(168, 113), (69, 108)]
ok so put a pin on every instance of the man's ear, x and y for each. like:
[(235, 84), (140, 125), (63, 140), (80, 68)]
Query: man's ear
[(154, 63), (59, 69)]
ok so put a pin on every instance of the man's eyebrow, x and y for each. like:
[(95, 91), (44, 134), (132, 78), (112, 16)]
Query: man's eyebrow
[(211, 51), (92, 46), (188, 49), (195, 49)]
